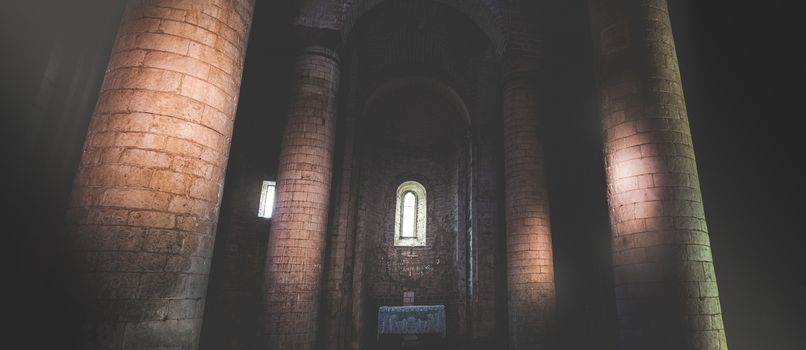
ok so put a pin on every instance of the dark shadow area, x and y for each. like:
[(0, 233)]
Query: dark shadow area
[(576, 180), (742, 68), (54, 57)]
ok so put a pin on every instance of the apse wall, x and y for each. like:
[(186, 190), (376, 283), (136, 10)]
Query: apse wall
[(413, 136)]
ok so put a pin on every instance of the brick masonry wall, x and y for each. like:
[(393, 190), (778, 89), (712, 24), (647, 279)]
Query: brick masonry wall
[(145, 201), (296, 246), (232, 314), (412, 136), (530, 264), (666, 288)]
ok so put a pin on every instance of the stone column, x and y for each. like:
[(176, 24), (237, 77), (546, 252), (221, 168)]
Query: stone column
[(145, 202), (530, 266), (664, 275), (298, 231)]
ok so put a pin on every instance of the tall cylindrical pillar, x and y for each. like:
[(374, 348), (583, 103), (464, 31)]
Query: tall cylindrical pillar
[(530, 265), (298, 230), (664, 274), (145, 202)]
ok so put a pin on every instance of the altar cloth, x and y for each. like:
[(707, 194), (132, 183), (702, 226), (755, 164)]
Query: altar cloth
[(414, 319)]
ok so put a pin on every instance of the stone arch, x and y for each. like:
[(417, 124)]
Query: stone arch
[(424, 83), (488, 15)]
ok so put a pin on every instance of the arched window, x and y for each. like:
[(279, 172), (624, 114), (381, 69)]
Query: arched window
[(408, 221), (410, 214)]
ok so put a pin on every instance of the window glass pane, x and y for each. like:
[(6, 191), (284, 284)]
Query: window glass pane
[(409, 215), (266, 199)]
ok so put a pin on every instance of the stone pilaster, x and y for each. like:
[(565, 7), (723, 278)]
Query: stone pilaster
[(664, 275), (144, 206), (530, 265), (298, 231)]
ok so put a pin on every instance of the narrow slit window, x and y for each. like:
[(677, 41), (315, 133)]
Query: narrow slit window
[(267, 199), (409, 219)]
